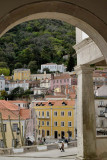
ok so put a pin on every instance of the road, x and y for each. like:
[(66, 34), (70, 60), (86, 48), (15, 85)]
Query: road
[(70, 153)]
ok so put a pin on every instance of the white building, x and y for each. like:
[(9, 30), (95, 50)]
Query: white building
[(20, 103), (2, 82), (53, 67), (102, 91), (40, 90), (12, 85), (101, 116), (45, 83)]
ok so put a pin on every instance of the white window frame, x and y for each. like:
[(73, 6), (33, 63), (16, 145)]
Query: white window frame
[(63, 114), (62, 123), (43, 123), (55, 123), (69, 122), (47, 113), (14, 127), (42, 113), (55, 115), (69, 112), (47, 123)]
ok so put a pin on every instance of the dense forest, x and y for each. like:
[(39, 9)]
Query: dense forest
[(36, 42)]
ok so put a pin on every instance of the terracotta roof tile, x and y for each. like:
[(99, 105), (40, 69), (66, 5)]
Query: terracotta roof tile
[(17, 101), (25, 113), (59, 102)]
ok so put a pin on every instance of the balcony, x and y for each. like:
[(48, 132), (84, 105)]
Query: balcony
[(43, 117)]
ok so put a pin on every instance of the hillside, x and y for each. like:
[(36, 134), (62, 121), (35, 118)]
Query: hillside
[(33, 43)]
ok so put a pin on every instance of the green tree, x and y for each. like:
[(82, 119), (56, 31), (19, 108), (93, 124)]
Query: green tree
[(33, 66), (3, 65), (3, 94), (71, 63), (18, 65), (16, 93), (5, 71)]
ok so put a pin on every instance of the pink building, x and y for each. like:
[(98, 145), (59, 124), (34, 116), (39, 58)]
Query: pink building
[(62, 80)]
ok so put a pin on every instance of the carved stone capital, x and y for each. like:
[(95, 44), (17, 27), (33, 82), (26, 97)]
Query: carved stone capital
[(83, 69)]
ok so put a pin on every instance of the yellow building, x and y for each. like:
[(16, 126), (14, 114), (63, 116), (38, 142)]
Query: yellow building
[(55, 119), (7, 129), (21, 74)]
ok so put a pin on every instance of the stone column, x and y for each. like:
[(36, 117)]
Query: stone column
[(86, 127)]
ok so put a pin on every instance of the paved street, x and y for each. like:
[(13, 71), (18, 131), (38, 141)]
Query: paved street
[(69, 153)]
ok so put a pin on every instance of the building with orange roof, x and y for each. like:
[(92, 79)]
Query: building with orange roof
[(55, 118), (8, 109), (20, 103)]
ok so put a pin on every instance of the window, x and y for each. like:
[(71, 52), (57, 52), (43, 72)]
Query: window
[(1, 143), (39, 113), (4, 127), (105, 109), (55, 113), (69, 124), (42, 123), (39, 123), (60, 81), (69, 113), (57, 81), (101, 113), (14, 127), (55, 123), (47, 113), (64, 80), (43, 114), (47, 123), (62, 113), (19, 105), (47, 133), (13, 142), (67, 80), (101, 103), (64, 104), (62, 124)]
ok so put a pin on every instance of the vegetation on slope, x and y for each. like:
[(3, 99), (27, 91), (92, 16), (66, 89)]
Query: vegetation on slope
[(36, 42)]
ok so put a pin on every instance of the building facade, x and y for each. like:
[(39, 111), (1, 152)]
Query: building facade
[(101, 116), (55, 119), (12, 85), (53, 67), (21, 74), (10, 127), (2, 82)]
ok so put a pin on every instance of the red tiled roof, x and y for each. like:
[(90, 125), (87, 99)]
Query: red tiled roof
[(8, 105), (54, 96), (63, 76), (59, 102), (6, 113), (25, 113), (9, 109), (17, 101)]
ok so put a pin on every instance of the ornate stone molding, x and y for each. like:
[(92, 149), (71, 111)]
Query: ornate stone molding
[(83, 69)]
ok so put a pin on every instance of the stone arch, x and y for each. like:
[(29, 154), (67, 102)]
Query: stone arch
[(61, 10)]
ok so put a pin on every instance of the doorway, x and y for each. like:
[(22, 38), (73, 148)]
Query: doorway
[(55, 134), (62, 134)]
